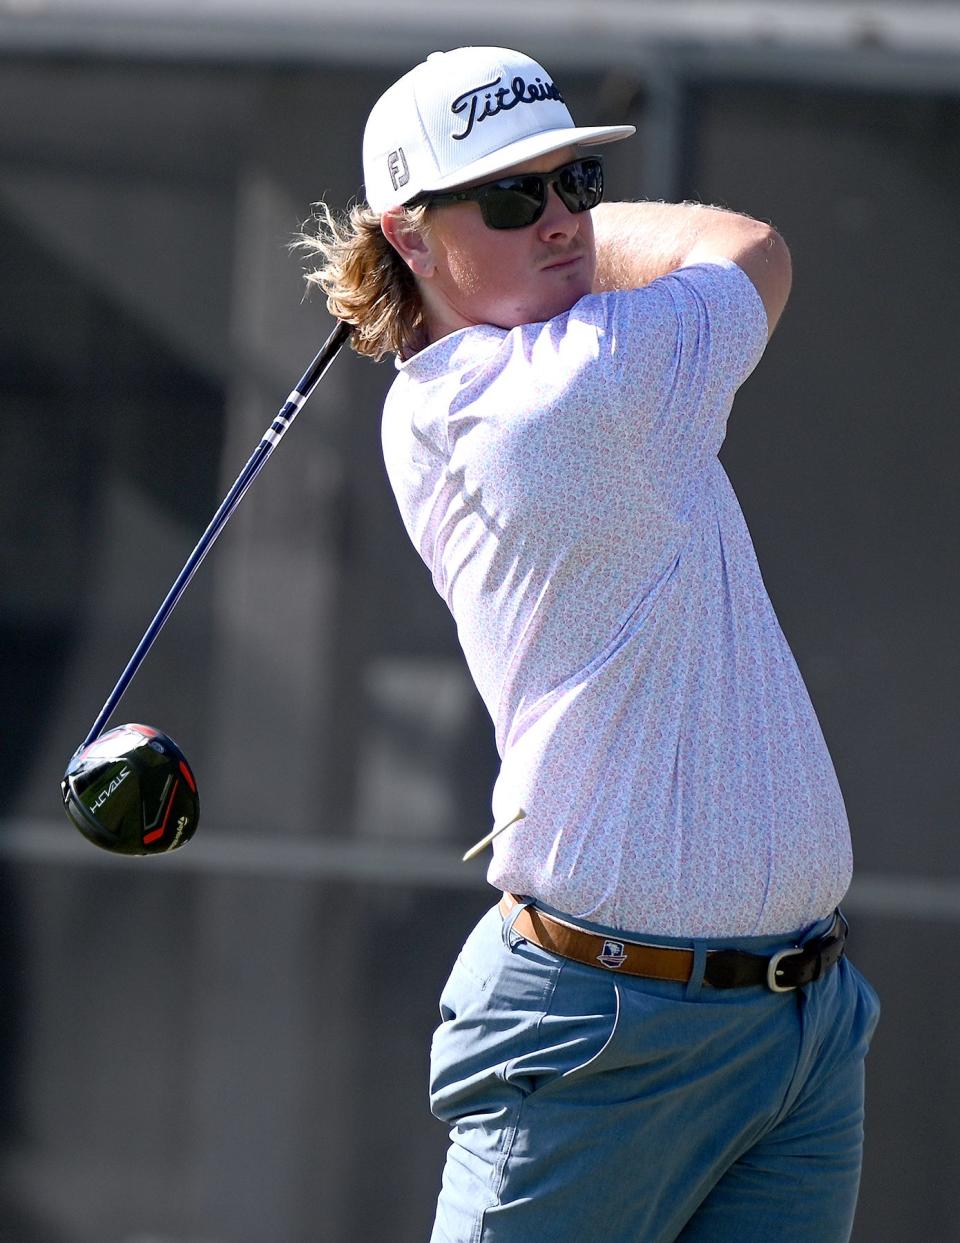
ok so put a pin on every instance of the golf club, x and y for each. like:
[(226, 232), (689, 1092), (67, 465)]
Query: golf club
[(131, 790)]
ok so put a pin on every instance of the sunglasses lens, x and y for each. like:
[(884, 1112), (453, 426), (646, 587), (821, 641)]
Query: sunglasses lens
[(513, 203), (580, 185)]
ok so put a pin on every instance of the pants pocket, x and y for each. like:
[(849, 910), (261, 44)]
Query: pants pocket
[(491, 1008), (575, 1037), (868, 1004)]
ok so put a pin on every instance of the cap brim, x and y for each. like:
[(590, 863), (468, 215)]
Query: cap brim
[(527, 149)]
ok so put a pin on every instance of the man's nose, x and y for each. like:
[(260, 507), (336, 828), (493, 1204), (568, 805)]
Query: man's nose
[(557, 221)]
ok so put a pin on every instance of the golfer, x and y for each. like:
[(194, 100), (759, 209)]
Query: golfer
[(654, 1034)]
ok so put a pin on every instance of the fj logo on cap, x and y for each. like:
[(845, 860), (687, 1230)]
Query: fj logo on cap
[(613, 954), (397, 168), (500, 100)]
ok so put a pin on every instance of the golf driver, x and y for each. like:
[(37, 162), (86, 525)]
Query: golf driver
[(131, 789)]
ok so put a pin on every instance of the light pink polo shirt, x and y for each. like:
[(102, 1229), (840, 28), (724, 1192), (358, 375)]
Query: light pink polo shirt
[(561, 482)]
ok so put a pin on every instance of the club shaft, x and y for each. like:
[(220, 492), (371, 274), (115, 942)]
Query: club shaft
[(271, 438)]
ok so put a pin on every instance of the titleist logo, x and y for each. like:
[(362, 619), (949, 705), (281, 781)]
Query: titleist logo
[(500, 100)]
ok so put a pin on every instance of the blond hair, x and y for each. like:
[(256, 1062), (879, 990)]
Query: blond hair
[(365, 280)]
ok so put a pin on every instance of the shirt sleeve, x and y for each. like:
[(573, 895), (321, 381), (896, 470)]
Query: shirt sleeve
[(722, 293), (669, 359)]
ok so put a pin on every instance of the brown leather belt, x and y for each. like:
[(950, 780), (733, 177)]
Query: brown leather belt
[(782, 971)]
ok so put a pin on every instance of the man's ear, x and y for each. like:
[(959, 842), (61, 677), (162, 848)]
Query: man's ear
[(408, 241)]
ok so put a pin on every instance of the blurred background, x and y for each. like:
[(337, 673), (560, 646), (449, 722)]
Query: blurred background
[(229, 1044)]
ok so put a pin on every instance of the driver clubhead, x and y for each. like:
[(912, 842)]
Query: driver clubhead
[(131, 791)]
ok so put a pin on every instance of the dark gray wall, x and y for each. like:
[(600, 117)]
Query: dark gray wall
[(843, 452), (230, 1045)]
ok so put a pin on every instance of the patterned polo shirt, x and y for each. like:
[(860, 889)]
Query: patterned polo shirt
[(561, 482)]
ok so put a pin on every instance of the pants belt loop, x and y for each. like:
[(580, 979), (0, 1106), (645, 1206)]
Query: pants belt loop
[(695, 982), (511, 938)]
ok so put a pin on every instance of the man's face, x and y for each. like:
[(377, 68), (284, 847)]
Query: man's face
[(507, 277)]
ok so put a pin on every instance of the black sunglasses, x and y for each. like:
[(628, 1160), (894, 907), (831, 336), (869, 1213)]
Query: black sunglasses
[(518, 201)]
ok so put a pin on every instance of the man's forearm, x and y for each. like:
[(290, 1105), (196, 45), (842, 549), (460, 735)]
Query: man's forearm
[(637, 242)]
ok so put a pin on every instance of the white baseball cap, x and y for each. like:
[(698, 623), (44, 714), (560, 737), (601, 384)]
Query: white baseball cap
[(462, 116)]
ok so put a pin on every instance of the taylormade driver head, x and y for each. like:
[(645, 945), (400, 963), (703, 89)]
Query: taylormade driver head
[(132, 791)]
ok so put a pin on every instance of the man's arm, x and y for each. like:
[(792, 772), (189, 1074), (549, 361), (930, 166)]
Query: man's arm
[(637, 242)]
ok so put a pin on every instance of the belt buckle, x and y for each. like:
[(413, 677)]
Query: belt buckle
[(772, 966)]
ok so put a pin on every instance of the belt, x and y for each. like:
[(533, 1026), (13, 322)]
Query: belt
[(781, 972)]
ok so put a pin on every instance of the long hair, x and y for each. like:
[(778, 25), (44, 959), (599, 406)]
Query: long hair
[(365, 280)]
